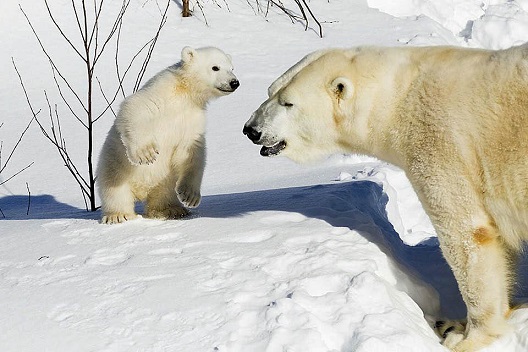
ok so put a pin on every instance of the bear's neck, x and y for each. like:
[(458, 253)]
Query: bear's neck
[(192, 90), (372, 125)]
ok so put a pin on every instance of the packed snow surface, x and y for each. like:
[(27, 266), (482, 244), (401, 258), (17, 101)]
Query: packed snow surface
[(338, 256)]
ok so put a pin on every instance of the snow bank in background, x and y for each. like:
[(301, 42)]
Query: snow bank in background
[(501, 27), (487, 24), (453, 15)]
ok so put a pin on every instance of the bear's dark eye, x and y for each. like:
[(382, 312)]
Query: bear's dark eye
[(216, 68), (287, 104)]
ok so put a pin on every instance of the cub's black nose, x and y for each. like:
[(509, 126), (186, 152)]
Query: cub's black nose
[(252, 133), (234, 84)]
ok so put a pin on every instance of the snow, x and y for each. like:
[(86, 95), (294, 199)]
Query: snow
[(494, 24), (337, 256)]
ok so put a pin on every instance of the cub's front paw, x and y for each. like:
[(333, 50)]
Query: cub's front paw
[(143, 155), (188, 196)]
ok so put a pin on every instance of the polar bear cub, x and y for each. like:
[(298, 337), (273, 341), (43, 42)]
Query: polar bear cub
[(155, 151)]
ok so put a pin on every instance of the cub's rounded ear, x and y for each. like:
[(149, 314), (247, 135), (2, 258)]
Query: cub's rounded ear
[(188, 54), (342, 87)]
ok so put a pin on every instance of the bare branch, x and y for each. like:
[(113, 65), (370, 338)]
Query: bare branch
[(57, 85), (151, 48), (95, 29), (16, 144), (60, 143), (17, 173), (51, 60), (116, 58), (60, 30), (29, 198), (117, 21), (314, 18), (78, 20), (108, 102)]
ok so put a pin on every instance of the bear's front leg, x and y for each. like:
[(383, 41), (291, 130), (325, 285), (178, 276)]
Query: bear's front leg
[(473, 247), (141, 154), (479, 260), (137, 123), (190, 175)]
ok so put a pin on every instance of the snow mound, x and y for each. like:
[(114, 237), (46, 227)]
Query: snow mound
[(487, 24)]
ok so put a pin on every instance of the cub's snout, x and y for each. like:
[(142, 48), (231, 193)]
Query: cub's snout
[(234, 84)]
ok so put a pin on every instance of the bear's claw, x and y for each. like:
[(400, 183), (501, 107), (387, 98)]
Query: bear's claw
[(189, 197), (143, 155), (117, 218)]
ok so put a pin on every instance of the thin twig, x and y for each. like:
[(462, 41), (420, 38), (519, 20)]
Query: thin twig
[(61, 31), (17, 173), (151, 48), (314, 18), (61, 94), (115, 26), (29, 198), (19, 139), (51, 60), (95, 29), (108, 102)]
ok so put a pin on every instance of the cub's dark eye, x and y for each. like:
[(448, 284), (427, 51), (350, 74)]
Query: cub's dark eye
[(216, 68), (288, 104)]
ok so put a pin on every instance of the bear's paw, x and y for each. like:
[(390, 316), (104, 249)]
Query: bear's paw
[(189, 196), (117, 218), (143, 155), (171, 212)]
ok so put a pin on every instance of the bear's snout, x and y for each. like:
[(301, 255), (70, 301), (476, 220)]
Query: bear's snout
[(252, 133), (234, 83)]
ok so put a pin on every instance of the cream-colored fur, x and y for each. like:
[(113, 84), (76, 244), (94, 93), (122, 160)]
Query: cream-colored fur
[(454, 119), (155, 151)]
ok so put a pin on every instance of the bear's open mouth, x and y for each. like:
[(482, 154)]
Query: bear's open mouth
[(274, 149)]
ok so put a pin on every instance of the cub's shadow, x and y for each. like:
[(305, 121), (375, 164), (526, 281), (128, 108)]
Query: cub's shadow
[(40, 207), (360, 206)]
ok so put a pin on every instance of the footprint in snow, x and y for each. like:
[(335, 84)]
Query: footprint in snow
[(282, 218), (166, 251), (250, 237), (107, 256)]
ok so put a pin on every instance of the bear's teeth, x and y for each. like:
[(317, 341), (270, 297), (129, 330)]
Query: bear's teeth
[(273, 150)]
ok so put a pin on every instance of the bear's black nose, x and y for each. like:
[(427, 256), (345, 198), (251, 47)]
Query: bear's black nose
[(252, 133), (234, 84)]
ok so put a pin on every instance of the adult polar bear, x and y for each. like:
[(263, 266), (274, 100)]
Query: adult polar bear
[(455, 120), (155, 151)]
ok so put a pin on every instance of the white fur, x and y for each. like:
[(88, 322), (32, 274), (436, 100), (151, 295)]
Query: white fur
[(155, 151), (455, 120)]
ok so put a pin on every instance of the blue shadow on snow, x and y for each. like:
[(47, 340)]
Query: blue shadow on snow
[(360, 206), (41, 207)]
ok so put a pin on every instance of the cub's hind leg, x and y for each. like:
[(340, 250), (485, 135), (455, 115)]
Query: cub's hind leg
[(117, 203), (163, 203)]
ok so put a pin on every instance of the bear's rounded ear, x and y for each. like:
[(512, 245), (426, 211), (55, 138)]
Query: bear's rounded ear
[(188, 54), (342, 87)]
